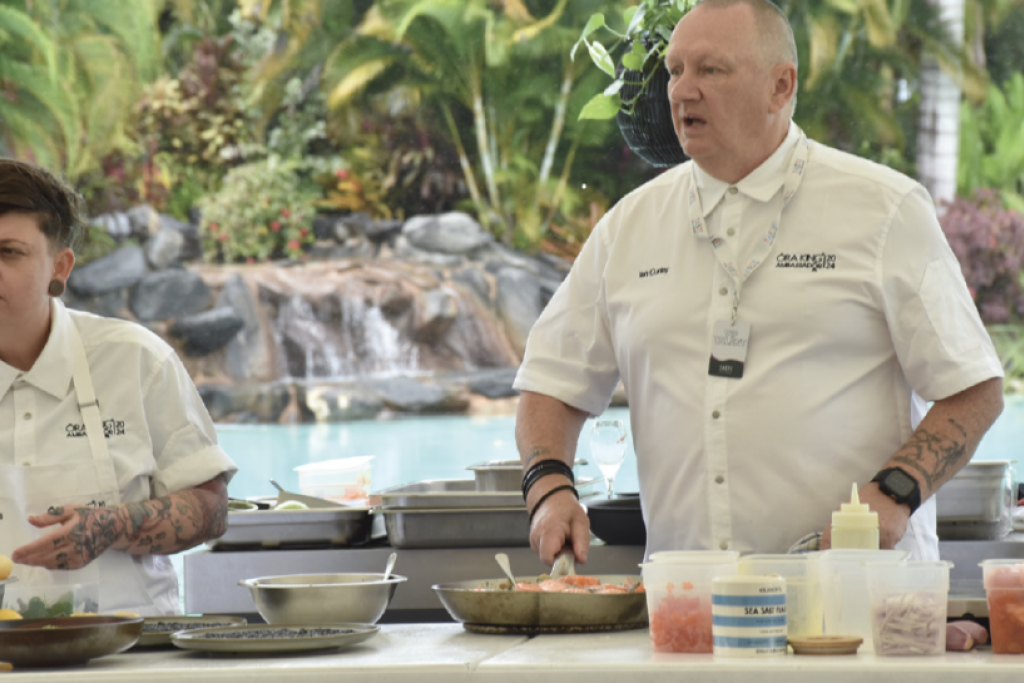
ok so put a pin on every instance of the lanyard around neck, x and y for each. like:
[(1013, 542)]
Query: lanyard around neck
[(723, 250)]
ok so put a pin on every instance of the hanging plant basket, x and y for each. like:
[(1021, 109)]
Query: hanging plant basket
[(649, 130)]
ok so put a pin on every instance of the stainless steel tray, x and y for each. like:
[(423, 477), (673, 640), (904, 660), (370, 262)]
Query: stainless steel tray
[(285, 528), (505, 475), (447, 493), (457, 528)]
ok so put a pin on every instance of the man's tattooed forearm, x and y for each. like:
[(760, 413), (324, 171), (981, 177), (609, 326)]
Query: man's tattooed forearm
[(933, 456), (534, 454)]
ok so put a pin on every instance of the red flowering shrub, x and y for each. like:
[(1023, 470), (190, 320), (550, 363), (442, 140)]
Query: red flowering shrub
[(988, 240)]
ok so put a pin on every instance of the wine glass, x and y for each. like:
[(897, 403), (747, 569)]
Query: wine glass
[(608, 446)]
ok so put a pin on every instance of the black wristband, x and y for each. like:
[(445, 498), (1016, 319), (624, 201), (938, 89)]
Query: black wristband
[(544, 468), (550, 493)]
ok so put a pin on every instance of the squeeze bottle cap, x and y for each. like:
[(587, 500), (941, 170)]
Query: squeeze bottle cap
[(855, 513)]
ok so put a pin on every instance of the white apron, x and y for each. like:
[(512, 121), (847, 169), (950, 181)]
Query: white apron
[(112, 579)]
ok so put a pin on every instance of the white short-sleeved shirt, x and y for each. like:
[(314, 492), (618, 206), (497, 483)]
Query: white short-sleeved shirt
[(159, 434), (859, 312)]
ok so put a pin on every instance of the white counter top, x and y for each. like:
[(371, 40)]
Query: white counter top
[(443, 653)]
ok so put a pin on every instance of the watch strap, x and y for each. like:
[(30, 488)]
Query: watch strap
[(911, 500)]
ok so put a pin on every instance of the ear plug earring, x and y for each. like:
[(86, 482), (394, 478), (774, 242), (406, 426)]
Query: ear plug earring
[(56, 288)]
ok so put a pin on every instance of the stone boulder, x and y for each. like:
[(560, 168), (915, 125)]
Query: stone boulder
[(519, 304), (438, 311), (476, 282), (117, 270), (246, 356), (246, 402), (169, 294), (191, 247), (208, 331), (407, 395), (496, 383), (164, 248), (448, 233)]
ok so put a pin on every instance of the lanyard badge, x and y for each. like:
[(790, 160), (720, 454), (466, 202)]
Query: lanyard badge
[(731, 338)]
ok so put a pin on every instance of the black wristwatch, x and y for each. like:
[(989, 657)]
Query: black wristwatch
[(899, 486)]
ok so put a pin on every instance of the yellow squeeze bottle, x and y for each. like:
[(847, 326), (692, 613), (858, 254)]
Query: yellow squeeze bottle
[(854, 525)]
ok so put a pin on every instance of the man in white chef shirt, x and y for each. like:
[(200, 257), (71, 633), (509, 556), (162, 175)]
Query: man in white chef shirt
[(778, 311), (108, 459)]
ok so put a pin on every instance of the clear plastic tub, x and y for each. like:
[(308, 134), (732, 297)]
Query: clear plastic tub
[(908, 607), (845, 603), (1004, 589), (38, 601), (678, 587), (803, 590), (345, 480)]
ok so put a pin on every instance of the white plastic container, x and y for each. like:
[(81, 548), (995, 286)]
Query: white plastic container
[(748, 616), (803, 589), (844, 589), (678, 588), (345, 480), (908, 607)]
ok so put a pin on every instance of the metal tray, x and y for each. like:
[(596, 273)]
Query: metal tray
[(447, 493), (283, 528), (457, 528), (505, 475)]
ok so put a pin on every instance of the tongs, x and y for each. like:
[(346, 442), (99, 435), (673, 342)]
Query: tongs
[(564, 565), (310, 501)]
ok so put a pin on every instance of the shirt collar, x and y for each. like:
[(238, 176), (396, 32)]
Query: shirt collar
[(53, 370), (761, 184)]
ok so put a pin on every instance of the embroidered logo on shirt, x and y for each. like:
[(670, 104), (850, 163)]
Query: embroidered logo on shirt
[(110, 428), (653, 271), (814, 262)]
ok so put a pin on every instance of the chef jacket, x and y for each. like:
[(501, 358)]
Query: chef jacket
[(859, 315), (157, 431)]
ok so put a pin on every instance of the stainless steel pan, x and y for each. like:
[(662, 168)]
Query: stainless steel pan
[(496, 607)]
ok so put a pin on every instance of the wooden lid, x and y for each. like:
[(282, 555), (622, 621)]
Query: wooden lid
[(826, 645)]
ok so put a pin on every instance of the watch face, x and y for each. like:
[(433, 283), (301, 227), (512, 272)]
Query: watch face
[(900, 483)]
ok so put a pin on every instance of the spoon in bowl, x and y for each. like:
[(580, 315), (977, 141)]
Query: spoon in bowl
[(392, 558), (502, 559)]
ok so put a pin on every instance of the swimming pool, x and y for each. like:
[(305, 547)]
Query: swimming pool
[(418, 448)]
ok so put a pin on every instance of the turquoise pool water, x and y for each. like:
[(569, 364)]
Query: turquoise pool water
[(414, 449)]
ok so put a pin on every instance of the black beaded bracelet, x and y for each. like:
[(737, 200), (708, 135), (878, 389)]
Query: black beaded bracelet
[(542, 469), (550, 493)]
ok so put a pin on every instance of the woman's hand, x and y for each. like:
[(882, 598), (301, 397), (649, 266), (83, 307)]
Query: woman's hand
[(83, 534)]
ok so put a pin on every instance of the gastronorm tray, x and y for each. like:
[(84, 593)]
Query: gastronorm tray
[(342, 526), (457, 528), (505, 475), (447, 493)]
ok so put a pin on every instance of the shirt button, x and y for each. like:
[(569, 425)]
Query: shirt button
[(723, 291), (27, 416), (724, 545), (730, 232), (733, 190), (719, 479), (715, 415)]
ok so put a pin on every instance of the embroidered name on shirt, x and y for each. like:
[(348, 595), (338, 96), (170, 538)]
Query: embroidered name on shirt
[(814, 262), (730, 338), (110, 428), (653, 271)]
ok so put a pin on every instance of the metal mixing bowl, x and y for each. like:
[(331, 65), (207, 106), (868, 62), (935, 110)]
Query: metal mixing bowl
[(322, 598)]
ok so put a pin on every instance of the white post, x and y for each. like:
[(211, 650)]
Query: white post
[(938, 136)]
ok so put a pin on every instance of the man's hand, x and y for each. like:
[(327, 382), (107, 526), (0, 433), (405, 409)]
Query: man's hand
[(560, 521), (83, 534), (892, 518)]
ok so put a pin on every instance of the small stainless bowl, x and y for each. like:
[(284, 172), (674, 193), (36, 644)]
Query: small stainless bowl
[(322, 598)]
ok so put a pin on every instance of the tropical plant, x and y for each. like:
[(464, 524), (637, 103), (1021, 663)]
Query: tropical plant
[(262, 211), (644, 41), (992, 143), (69, 77), (503, 67)]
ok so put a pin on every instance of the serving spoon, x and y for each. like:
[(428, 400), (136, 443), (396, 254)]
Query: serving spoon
[(392, 558), (502, 559)]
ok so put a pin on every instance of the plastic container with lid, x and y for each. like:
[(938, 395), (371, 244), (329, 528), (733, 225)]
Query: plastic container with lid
[(844, 589), (908, 607), (854, 525), (345, 480), (678, 589), (748, 616), (803, 590), (1004, 590)]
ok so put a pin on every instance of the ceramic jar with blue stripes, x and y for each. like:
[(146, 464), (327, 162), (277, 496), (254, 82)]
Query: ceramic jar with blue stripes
[(748, 616)]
